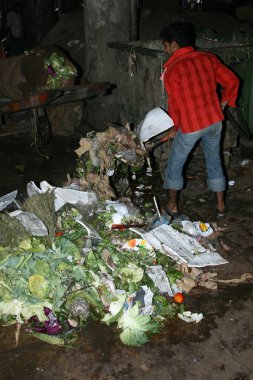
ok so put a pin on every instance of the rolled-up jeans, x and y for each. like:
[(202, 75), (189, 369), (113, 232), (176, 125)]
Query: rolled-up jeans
[(182, 146)]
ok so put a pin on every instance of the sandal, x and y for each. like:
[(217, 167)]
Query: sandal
[(219, 213), (173, 214)]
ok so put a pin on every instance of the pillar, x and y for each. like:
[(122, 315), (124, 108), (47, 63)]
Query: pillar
[(104, 21)]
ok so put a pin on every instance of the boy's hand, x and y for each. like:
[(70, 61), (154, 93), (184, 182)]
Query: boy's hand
[(171, 135), (224, 104)]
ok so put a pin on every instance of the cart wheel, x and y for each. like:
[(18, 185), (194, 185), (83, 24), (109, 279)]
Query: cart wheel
[(43, 131)]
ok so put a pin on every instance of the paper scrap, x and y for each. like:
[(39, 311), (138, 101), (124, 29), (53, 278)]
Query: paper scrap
[(158, 276), (64, 195), (244, 277), (31, 222), (188, 316), (7, 199), (181, 247)]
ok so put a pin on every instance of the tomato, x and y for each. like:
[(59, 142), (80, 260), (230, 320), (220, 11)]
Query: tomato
[(132, 243), (178, 298)]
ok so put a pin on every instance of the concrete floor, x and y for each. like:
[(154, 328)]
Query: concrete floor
[(219, 347)]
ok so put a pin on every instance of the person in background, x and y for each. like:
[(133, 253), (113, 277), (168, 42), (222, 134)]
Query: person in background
[(15, 30), (190, 79)]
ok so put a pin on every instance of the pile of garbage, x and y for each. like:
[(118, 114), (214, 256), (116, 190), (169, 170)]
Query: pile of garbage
[(39, 69), (78, 253), (107, 159)]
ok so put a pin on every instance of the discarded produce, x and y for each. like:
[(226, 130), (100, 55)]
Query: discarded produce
[(46, 282), (74, 254), (178, 297)]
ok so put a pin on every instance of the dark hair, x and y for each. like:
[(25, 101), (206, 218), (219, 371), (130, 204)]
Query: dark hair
[(181, 32)]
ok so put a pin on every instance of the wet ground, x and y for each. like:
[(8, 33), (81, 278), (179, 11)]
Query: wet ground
[(22, 162), (219, 347)]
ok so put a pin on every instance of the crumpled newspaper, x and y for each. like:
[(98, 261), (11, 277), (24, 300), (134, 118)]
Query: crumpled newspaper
[(181, 247), (7, 199), (31, 222), (188, 316), (145, 297), (161, 281), (64, 195)]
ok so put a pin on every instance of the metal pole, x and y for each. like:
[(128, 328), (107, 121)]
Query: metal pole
[(133, 20)]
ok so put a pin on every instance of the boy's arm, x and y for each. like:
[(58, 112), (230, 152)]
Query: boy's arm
[(229, 83)]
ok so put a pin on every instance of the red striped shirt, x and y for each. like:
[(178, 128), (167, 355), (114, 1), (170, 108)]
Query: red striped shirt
[(190, 79)]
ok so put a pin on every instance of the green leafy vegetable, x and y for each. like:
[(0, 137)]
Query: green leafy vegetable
[(116, 309), (132, 273), (39, 286), (135, 327)]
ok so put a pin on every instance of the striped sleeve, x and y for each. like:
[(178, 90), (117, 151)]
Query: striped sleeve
[(172, 87), (229, 82)]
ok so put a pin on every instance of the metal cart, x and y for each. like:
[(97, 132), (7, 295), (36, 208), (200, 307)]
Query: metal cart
[(28, 115)]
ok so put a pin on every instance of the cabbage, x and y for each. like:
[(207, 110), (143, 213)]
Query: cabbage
[(39, 286), (116, 308), (69, 248), (20, 308), (135, 327), (13, 307), (42, 267), (77, 304), (26, 245), (132, 272), (29, 310)]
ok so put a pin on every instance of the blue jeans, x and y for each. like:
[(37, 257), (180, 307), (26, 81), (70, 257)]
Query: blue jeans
[(182, 146)]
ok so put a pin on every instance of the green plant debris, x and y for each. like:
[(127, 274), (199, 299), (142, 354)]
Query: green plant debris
[(42, 205), (80, 281), (58, 70), (12, 232)]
